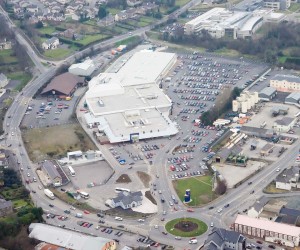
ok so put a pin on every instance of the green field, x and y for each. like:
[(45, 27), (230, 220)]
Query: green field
[(201, 189), (47, 30), (20, 203), (294, 7), (202, 227), (6, 56), (127, 40), (23, 77), (57, 53), (92, 38)]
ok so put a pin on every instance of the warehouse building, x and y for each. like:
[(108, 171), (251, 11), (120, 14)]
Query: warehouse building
[(293, 98), (68, 239), (85, 68), (267, 94), (270, 231), (63, 85), (284, 124), (128, 104), (220, 22), (54, 173), (285, 83)]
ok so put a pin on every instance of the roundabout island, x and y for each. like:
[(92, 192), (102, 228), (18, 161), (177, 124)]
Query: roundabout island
[(186, 227)]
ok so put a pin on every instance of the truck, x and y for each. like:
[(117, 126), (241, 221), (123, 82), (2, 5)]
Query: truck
[(48, 193)]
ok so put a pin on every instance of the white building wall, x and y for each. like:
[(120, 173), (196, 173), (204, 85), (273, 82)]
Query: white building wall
[(284, 186)]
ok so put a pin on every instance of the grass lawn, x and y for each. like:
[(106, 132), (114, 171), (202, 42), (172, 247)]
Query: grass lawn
[(127, 40), (227, 52), (45, 143), (20, 203), (113, 11), (92, 38), (57, 53), (201, 189), (271, 189), (6, 57), (181, 2), (23, 77), (202, 227), (294, 7), (282, 59), (46, 30)]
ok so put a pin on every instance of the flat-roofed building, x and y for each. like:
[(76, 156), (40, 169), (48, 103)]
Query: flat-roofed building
[(286, 83), (284, 124), (293, 98), (270, 231), (128, 104), (69, 239), (220, 22)]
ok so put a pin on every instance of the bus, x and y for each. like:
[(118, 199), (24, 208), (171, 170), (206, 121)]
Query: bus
[(72, 172), (83, 194), (118, 190)]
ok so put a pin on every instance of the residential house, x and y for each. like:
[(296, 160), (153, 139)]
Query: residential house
[(6, 207), (220, 239), (146, 7), (258, 207), (68, 33), (3, 80), (51, 43), (133, 3), (17, 9), (52, 173), (32, 8), (4, 44), (284, 124), (106, 21), (128, 200), (288, 179)]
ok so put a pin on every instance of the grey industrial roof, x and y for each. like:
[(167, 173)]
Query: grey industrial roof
[(289, 78), (294, 95), (50, 168), (289, 211), (3, 77), (268, 91), (5, 204), (224, 153), (254, 143), (279, 108), (285, 121), (127, 198), (267, 147), (287, 174), (261, 131)]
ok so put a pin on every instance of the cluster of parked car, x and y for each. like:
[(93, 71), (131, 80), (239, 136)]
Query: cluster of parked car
[(149, 242), (149, 147), (84, 224)]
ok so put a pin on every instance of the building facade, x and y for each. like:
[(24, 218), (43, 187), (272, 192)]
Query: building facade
[(286, 83)]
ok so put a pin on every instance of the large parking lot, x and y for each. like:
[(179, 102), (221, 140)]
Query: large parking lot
[(44, 112)]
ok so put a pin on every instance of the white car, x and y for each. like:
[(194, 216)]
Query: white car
[(159, 191), (211, 224), (141, 220), (177, 238), (28, 175), (12, 134), (156, 226), (278, 169), (97, 227), (219, 210)]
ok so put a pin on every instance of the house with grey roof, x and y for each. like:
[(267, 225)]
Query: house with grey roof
[(51, 171), (6, 207), (284, 124), (220, 239), (224, 153), (3, 80), (267, 94), (293, 98), (289, 216), (288, 178), (258, 207), (127, 200), (51, 43)]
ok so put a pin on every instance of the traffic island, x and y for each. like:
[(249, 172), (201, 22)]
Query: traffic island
[(186, 227)]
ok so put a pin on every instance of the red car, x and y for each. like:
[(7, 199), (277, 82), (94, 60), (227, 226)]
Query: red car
[(190, 210), (86, 212)]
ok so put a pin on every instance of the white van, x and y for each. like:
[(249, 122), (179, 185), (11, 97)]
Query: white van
[(78, 215), (118, 218)]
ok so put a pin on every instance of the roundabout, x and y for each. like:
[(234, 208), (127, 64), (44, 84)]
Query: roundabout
[(186, 227)]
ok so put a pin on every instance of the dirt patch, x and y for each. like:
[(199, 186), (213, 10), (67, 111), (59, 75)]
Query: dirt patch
[(124, 213), (54, 142), (150, 197), (124, 178), (145, 178), (186, 226)]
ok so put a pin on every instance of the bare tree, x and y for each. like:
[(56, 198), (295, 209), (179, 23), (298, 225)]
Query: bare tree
[(221, 187)]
